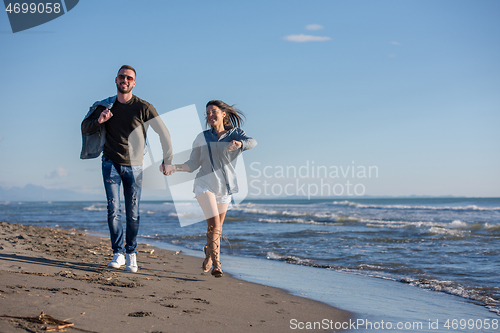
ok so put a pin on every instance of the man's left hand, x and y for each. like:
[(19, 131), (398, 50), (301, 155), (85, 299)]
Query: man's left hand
[(167, 170)]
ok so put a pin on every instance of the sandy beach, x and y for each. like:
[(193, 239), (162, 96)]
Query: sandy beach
[(63, 274)]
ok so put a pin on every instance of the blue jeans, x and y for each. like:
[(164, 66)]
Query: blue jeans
[(113, 175)]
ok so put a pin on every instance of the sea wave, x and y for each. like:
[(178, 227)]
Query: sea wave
[(483, 296), (416, 207), (287, 212), (397, 224), (455, 227), (446, 231), (299, 221), (96, 208), (493, 228), (289, 259)]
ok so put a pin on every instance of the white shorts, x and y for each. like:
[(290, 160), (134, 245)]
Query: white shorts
[(219, 198)]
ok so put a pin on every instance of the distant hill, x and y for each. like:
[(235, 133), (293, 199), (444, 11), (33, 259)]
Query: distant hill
[(32, 192)]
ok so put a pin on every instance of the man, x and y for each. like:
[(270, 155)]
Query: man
[(117, 127)]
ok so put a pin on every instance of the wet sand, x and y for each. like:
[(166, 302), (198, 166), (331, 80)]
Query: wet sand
[(63, 274)]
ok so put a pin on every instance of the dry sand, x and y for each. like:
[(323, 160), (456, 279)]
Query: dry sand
[(63, 274)]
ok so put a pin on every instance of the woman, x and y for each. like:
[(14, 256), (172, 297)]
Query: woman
[(214, 152)]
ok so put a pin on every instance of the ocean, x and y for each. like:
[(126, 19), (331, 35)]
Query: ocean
[(442, 245)]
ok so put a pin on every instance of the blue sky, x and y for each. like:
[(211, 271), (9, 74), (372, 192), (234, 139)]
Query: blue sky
[(411, 87)]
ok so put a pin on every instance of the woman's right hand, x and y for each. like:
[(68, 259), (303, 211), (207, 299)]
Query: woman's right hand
[(234, 145)]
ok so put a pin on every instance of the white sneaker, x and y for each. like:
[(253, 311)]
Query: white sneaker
[(118, 260), (132, 262)]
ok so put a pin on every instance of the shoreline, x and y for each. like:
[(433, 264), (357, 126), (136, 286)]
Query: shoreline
[(375, 303), (63, 273)]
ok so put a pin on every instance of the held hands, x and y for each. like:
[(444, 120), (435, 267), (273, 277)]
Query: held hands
[(167, 170), (234, 145), (105, 115)]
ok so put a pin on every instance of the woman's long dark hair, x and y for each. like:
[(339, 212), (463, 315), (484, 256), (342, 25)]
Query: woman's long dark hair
[(233, 118)]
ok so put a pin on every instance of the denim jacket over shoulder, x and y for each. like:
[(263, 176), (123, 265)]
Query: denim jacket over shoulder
[(217, 164), (93, 143)]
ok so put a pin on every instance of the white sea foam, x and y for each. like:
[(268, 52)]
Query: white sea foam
[(289, 259), (281, 220), (453, 288), (416, 207), (273, 256), (311, 212), (492, 227), (346, 203), (401, 224), (191, 216), (262, 211), (434, 227), (95, 208), (392, 226), (371, 267), (446, 231), (457, 224), (300, 221)]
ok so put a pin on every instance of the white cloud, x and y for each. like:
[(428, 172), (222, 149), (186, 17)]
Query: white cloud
[(57, 173), (392, 55), (1, 138), (395, 43), (314, 27), (306, 38)]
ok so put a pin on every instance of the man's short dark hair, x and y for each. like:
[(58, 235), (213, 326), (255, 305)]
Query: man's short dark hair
[(128, 67)]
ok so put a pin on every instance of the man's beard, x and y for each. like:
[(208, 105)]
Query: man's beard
[(124, 91)]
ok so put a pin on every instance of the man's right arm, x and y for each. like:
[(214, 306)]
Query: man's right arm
[(92, 123)]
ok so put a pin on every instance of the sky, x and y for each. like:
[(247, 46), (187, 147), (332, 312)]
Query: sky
[(408, 90)]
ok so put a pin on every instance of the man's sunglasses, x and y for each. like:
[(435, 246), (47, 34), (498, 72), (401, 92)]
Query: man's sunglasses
[(123, 77)]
